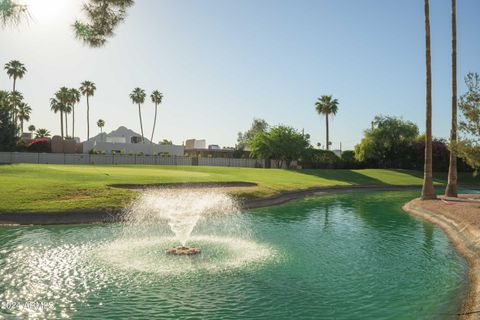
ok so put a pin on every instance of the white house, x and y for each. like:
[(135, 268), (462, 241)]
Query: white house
[(126, 141)]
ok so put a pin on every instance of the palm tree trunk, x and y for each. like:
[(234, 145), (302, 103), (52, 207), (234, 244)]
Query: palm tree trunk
[(154, 123), (451, 190), (328, 138), (66, 125), (21, 126), (73, 120), (14, 107), (428, 191), (88, 119), (141, 125), (61, 123)]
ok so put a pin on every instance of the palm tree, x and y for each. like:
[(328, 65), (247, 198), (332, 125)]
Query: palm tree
[(156, 97), (88, 89), (74, 98), (15, 99), (451, 190), (67, 108), (16, 70), (42, 133), (101, 124), (56, 106), (62, 96), (138, 97), (31, 128), (428, 192), (24, 111), (326, 105)]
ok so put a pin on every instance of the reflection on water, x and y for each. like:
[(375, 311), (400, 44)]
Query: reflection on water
[(346, 256)]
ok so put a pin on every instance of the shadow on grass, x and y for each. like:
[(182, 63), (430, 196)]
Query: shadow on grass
[(343, 175), (464, 178)]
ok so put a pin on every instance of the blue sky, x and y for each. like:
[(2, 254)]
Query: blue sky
[(222, 63)]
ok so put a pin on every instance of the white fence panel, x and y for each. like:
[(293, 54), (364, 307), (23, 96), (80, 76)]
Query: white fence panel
[(5, 157), (77, 158), (101, 159), (25, 157), (124, 159), (60, 158), (51, 158)]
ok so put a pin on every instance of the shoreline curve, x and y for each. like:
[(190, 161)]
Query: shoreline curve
[(90, 216), (465, 240)]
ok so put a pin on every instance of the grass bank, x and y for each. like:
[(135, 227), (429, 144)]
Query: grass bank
[(32, 187)]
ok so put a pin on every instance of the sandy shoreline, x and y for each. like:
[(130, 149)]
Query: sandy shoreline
[(88, 216), (460, 220)]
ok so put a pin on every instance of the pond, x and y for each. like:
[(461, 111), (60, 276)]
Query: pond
[(345, 256)]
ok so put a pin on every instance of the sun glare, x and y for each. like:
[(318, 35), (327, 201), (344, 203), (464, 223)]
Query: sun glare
[(46, 9)]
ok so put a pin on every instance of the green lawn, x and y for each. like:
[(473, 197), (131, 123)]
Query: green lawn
[(31, 187)]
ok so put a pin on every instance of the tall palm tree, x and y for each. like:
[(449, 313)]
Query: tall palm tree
[(88, 89), (101, 124), (15, 98), (428, 192), (74, 98), (16, 70), (451, 190), (56, 106), (156, 97), (63, 98), (24, 111), (138, 97), (326, 105)]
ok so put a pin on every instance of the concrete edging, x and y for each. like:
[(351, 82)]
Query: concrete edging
[(467, 243)]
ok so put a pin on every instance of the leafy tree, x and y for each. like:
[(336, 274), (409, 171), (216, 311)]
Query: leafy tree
[(138, 96), (42, 133), (388, 143), (7, 127), (320, 159), (280, 143), (156, 97), (100, 124), (326, 106), (12, 13), (74, 98), (31, 128), (244, 139), (88, 89), (428, 192), (166, 142), (103, 16), (469, 105)]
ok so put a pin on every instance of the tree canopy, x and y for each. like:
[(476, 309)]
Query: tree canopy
[(388, 143), (469, 147), (280, 143), (244, 139)]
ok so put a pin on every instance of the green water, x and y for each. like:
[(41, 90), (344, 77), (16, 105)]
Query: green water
[(348, 256)]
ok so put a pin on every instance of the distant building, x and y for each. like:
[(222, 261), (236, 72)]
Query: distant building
[(197, 148), (126, 141), (194, 144)]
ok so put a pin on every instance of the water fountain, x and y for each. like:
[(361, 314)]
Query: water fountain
[(181, 210)]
